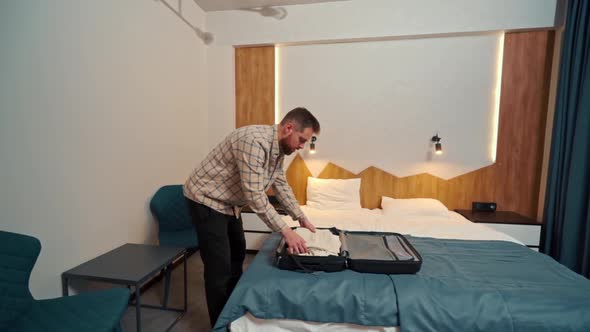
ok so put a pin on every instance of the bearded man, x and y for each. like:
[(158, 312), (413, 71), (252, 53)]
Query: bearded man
[(238, 172)]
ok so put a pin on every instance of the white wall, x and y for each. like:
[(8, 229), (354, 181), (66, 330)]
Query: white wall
[(380, 102), (355, 19), (101, 103)]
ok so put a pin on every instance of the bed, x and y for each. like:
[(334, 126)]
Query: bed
[(472, 279)]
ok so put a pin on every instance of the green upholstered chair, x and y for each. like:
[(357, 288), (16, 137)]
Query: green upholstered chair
[(176, 228), (19, 311), (175, 225)]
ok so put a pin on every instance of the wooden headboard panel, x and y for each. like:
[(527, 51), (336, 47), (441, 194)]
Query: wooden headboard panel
[(454, 193)]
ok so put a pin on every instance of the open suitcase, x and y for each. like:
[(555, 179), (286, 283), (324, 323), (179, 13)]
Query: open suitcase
[(371, 252)]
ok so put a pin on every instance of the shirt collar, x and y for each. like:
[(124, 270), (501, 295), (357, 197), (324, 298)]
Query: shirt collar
[(276, 151)]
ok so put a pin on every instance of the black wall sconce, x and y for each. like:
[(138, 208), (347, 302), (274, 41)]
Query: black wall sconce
[(437, 146), (312, 145)]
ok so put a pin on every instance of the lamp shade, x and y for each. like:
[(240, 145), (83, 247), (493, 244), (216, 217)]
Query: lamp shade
[(438, 148)]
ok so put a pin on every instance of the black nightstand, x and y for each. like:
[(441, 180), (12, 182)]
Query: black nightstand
[(524, 229), (255, 230)]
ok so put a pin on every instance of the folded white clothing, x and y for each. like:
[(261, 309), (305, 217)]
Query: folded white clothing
[(320, 243)]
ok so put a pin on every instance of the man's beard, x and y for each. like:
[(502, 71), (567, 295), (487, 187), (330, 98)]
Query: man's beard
[(284, 147)]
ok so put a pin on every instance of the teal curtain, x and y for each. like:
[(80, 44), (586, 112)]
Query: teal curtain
[(566, 233)]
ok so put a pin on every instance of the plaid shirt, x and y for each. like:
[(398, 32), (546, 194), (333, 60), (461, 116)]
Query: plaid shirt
[(239, 171)]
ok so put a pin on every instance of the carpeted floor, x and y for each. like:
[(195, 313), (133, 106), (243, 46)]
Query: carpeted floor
[(195, 320)]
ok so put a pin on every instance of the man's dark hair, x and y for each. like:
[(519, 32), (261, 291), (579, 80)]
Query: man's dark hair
[(302, 119)]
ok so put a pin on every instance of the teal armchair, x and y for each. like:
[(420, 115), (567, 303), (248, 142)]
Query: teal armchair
[(20, 312), (175, 226)]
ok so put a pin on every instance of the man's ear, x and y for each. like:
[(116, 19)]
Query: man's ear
[(289, 127)]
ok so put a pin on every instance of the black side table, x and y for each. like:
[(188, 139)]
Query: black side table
[(131, 265)]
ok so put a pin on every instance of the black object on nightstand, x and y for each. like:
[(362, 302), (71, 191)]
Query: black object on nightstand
[(523, 229), (483, 206)]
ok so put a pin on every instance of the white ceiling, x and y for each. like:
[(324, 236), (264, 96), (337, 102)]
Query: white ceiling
[(213, 5)]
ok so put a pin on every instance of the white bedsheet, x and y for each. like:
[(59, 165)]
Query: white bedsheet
[(248, 323), (357, 219), (452, 226)]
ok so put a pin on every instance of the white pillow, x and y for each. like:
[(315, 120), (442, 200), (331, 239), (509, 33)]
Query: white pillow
[(413, 207), (334, 194)]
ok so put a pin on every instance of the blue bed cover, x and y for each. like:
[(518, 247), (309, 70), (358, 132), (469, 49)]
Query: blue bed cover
[(463, 285)]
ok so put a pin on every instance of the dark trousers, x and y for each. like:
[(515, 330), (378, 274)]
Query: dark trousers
[(223, 248)]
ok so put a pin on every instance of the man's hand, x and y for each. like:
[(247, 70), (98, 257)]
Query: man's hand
[(295, 243), (304, 222)]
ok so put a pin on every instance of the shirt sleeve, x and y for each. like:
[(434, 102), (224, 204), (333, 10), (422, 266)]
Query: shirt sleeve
[(251, 159), (285, 196)]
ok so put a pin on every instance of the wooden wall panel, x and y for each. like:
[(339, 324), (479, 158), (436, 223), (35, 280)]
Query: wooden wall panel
[(255, 85), (478, 185), (333, 171), (513, 181), (455, 193), (523, 114), (374, 184), (297, 175)]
